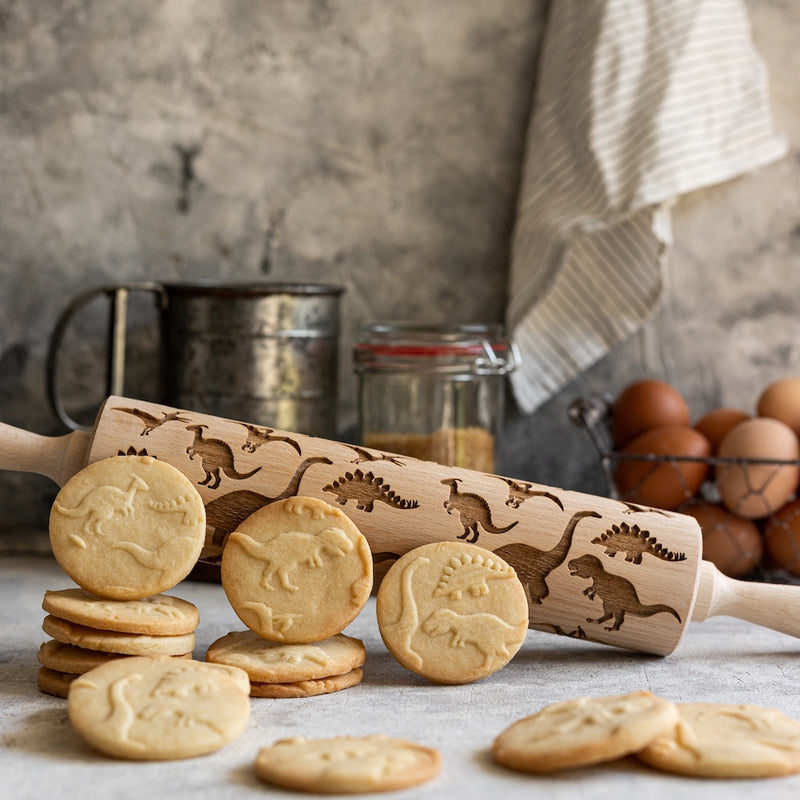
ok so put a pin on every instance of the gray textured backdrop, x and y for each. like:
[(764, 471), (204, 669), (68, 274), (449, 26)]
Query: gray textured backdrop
[(373, 145)]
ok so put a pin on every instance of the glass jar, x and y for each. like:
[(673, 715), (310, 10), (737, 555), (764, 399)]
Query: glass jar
[(434, 392)]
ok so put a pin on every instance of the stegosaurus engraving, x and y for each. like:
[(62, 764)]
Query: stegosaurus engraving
[(470, 573), (366, 489), (634, 542)]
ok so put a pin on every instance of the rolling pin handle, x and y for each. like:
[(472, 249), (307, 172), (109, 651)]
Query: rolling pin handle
[(56, 457), (771, 605)]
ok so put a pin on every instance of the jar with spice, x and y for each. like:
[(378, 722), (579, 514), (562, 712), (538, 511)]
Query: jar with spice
[(434, 392)]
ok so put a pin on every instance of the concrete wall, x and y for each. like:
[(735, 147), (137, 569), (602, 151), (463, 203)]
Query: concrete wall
[(372, 145)]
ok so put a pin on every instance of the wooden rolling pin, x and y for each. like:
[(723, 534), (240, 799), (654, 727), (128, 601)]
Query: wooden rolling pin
[(593, 567)]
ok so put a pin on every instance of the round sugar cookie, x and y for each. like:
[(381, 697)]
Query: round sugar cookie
[(274, 662), (312, 688), (298, 570), (74, 660), (347, 764), (132, 644), (583, 731), (727, 741), (159, 708), (160, 615), (452, 612), (53, 682), (127, 527)]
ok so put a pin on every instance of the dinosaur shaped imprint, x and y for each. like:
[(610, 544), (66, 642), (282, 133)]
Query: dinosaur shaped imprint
[(634, 542), (215, 456), (617, 594), (473, 511), (288, 551), (491, 635), (366, 489), (101, 504)]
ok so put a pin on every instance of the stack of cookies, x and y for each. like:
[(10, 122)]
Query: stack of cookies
[(88, 630), (296, 572), (125, 529)]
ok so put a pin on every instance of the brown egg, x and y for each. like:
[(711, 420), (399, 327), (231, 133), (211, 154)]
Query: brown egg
[(781, 400), (645, 405), (733, 544), (782, 537), (663, 483), (715, 424), (752, 489)]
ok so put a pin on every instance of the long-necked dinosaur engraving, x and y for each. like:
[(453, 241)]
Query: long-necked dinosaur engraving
[(149, 421), (473, 512), (225, 514), (634, 542), (257, 436), (408, 622), (618, 594), (534, 565), (101, 504), (520, 491), (366, 489), (215, 456)]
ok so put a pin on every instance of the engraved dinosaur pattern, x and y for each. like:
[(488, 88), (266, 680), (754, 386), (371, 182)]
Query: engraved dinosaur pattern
[(366, 489), (617, 594), (224, 514), (280, 553), (257, 436), (183, 504), (408, 622), (274, 624), (520, 491), (471, 574), (367, 455), (100, 505), (473, 511), (215, 456), (151, 422), (534, 565), (157, 558), (634, 542), (489, 633)]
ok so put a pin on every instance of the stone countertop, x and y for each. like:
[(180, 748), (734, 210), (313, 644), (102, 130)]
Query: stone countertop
[(721, 660)]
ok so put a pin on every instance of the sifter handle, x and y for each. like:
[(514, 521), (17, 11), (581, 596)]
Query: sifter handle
[(771, 605)]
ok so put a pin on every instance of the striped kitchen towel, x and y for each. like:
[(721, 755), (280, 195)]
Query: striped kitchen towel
[(637, 102)]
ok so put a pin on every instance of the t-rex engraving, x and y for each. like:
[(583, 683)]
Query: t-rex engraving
[(281, 554), (471, 574), (618, 594), (520, 491), (367, 455), (634, 542), (473, 511), (215, 456), (534, 565), (366, 489), (224, 514), (490, 634), (257, 436), (408, 622), (150, 421), (100, 505)]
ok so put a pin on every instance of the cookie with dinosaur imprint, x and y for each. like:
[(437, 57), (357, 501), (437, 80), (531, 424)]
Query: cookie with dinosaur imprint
[(160, 615), (127, 527), (452, 612), (297, 571)]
